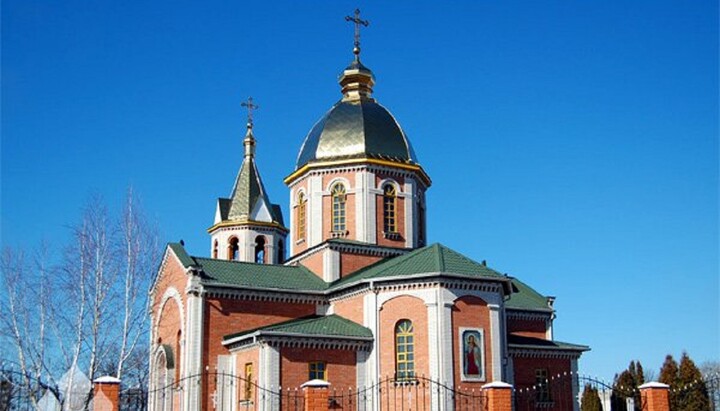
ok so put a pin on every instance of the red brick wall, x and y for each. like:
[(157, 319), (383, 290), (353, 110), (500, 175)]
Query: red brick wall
[(349, 263), (314, 263), (225, 316), (350, 308), (243, 357), (471, 312), (527, 328), (560, 389), (167, 318), (394, 310), (294, 369)]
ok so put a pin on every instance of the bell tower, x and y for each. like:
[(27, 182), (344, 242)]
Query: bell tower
[(357, 178), (247, 226)]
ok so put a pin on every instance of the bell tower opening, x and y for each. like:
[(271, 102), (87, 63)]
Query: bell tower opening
[(260, 249)]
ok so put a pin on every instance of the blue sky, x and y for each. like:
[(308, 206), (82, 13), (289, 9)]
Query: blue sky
[(571, 144)]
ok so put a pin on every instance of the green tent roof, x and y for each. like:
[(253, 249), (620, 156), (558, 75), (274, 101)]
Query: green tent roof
[(317, 326)]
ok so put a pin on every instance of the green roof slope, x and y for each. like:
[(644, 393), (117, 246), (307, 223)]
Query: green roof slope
[(236, 273), (525, 298), (435, 258), (329, 326)]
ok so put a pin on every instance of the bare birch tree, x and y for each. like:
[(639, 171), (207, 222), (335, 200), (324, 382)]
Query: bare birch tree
[(91, 306)]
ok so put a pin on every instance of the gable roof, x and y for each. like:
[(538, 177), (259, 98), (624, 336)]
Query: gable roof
[(433, 259), (313, 326)]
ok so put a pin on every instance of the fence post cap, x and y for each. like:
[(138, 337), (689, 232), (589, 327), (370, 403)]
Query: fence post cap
[(107, 380), (653, 384), (496, 384), (316, 384)]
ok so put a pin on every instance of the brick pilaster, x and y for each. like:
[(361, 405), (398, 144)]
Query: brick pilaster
[(655, 396), (498, 396), (316, 395), (106, 395)]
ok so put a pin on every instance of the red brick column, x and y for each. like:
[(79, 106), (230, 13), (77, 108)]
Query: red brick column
[(498, 396), (316, 395), (655, 396), (106, 394)]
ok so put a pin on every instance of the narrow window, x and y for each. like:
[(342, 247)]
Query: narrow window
[(247, 393), (404, 350), (317, 370), (260, 249), (215, 249), (301, 216), (234, 249), (338, 208), (389, 206), (543, 388), (281, 252)]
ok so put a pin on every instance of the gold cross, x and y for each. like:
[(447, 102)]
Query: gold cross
[(250, 107), (356, 20)]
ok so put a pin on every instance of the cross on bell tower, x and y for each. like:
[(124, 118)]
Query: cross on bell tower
[(358, 22), (250, 107)]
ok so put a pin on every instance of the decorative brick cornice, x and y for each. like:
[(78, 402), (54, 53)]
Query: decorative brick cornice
[(528, 315), (299, 341), (281, 296), (518, 352)]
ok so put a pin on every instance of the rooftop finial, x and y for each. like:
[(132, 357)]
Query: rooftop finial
[(249, 141), (358, 22), (250, 107)]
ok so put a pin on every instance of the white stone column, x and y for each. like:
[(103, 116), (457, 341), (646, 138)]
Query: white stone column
[(410, 213), (370, 209), (315, 211), (292, 236), (446, 350), (496, 345), (371, 320), (193, 342), (361, 195), (331, 265), (434, 351), (269, 377)]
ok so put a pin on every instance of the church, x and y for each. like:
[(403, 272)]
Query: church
[(344, 286)]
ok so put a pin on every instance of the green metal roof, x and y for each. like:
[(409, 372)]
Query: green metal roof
[(519, 341), (525, 298), (236, 273), (182, 255), (435, 258), (318, 326)]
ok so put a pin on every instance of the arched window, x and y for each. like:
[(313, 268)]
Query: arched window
[(234, 249), (404, 350), (338, 208), (389, 209), (260, 249), (301, 216), (215, 249), (281, 252)]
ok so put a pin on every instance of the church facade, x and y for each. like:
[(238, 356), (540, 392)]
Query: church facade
[(347, 289)]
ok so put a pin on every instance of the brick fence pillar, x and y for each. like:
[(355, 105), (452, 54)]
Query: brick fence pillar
[(106, 394), (498, 396), (316, 395), (655, 396)]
